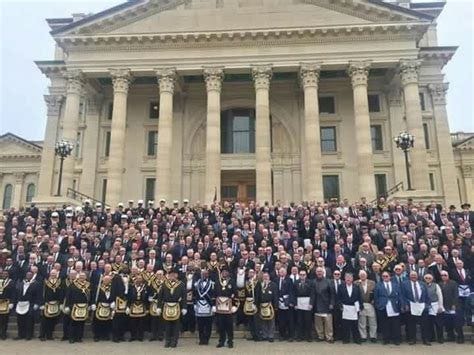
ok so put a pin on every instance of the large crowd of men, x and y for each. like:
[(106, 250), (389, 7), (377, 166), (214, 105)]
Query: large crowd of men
[(314, 271)]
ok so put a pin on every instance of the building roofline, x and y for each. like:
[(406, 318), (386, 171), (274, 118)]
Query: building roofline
[(7, 134), (401, 9)]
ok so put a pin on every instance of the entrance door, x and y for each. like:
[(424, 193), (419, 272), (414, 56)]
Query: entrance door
[(238, 186)]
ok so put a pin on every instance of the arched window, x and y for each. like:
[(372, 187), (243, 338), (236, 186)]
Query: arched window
[(7, 196), (30, 192), (238, 131)]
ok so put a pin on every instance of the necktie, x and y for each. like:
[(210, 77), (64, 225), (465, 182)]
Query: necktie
[(461, 275), (387, 286), (417, 295)]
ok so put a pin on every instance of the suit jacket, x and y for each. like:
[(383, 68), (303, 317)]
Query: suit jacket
[(408, 296), (381, 296), (286, 289), (345, 299), (367, 297), (450, 294), (325, 296), (436, 272)]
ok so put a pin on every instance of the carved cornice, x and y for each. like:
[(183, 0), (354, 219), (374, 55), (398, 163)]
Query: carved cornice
[(121, 80), (438, 93), (309, 75), (54, 104), (359, 72), (213, 78), (408, 70), (166, 79), (262, 75), (75, 82)]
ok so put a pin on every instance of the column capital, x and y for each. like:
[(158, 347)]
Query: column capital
[(309, 74), (359, 72), (121, 79), (408, 70), (53, 103), (438, 92), (75, 81), (19, 177), (262, 75), (213, 78), (166, 79)]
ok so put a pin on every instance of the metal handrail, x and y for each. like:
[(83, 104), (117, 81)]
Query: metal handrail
[(79, 196), (391, 191)]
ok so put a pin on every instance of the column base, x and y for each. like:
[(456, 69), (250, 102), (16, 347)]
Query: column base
[(45, 202), (425, 196)]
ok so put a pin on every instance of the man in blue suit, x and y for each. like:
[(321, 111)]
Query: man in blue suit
[(349, 295), (414, 295), (387, 297)]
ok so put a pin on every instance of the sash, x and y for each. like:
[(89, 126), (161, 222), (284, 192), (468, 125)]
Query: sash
[(4, 306), (266, 311), (51, 309), (137, 310), (22, 307), (103, 311), (79, 312), (249, 309), (224, 305), (120, 305), (171, 311)]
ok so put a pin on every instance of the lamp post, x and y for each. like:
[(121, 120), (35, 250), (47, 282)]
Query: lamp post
[(405, 141), (62, 149)]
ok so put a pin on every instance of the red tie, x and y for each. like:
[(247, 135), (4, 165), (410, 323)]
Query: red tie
[(460, 274)]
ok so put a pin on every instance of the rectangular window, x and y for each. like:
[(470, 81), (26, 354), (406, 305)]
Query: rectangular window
[(381, 185), (154, 111), (82, 110), (427, 135), (374, 103), (377, 140), (152, 143), (327, 105), (432, 182), (328, 139), (104, 190), (110, 110), (229, 192), (331, 187), (107, 144), (422, 102), (150, 189), (77, 145)]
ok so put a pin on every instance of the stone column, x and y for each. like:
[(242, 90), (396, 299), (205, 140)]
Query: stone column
[(418, 157), (262, 76), (45, 180), (313, 184), (359, 74), (166, 81), (90, 146), (468, 177), (74, 90), (121, 79), (445, 148), (213, 78), (18, 190)]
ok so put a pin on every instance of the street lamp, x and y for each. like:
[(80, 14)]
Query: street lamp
[(62, 149), (405, 141)]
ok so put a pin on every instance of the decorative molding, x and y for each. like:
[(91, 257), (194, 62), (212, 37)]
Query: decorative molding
[(121, 80), (359, 72), (467, 171), (262, 75), (409, 70), (213, 78), (19, 177), (438, 93), (166, 79), (75, 82), (54, 104), (309, 75)]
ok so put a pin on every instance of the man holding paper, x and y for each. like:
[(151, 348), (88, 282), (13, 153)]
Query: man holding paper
[(305, 295), (416, 303), (350, 300)]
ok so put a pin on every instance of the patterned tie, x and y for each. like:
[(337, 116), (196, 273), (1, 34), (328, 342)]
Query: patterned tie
[(417, 295)]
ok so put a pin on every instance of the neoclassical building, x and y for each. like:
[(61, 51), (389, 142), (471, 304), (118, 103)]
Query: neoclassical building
[(266, 100)]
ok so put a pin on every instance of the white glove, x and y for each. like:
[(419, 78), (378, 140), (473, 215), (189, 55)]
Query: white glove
[(184, 312), (35, 307), (254, 307), (41, 308), (233, 309), (112, 305), (67, 310), (127, 311), (10, 306), (150, 299), (213, 309), (61, 308), (93, 307), (158, 311)]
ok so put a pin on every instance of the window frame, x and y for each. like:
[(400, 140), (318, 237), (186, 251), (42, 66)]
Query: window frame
[(426, 135), (378, 193), (374, 141), (8, 193), (379, 102), (150, 103), (155, 144), (29, 196), (228, 133), (325, 96), (107, 142), (334, 129), (338, 179), (145, 192)]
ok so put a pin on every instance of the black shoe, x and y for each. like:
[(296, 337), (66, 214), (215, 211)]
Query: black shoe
[(42, 338), (153, 339), (412, 342), (64, 339), (131, 339), (96, 340), (71, 341), (230, 345), (173, 345), (79, 340), (290, 340), (116, 340), (358, 342), (386, 342), (373, 340), (330, 341), (397, 343), (363, 340), (460, 341), (440, 341), (345, 342), (427, 343), (167, 345), (220, 345), (270, 340)]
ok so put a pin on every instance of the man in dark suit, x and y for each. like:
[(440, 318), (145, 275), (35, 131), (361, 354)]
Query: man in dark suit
[(387, 298), (438, 266), (305, 295), (467, 215), (449, 289), (28, 298), (416, 302), (286, 303), (324, 305), (350, 300)]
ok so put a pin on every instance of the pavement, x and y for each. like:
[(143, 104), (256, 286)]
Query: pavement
[(189, 346)]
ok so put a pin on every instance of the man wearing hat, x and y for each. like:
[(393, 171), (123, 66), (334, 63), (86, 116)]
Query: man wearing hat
[(172, 305), (162, 207), (117, 215), (88, 211), (140, 210), (467, 215)]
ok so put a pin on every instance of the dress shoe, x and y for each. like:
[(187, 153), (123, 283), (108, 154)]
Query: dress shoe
[(460, 341), (330, 341), (167, 345), (270, 340), (373, 340), (220, 345), (427, 343), (230, 345), (412, 342)]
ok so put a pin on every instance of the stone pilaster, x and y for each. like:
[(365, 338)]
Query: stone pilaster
[(445, 149), (213, 78), (90, 146), (359, 74), (468, 177), (262, 76), (166, 81), (418, 158), (313, 181), (121, 79), (45, 180), (18, 190), (70, 121)]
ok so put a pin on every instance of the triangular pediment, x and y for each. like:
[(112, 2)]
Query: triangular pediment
[(12, 145), (185, 16), (465, 144)]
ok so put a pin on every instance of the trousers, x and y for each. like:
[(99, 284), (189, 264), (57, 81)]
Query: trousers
[(204, 325), (225, 327), (323, 327), (367, 317)]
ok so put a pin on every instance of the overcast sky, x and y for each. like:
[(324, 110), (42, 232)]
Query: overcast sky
[(24, 38)]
